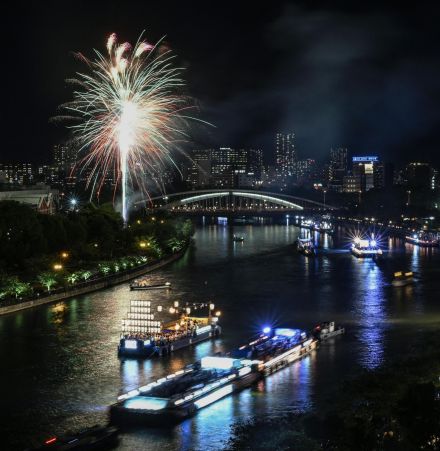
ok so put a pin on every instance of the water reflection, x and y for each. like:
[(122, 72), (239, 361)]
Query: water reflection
[(371, 312), (62, 359)]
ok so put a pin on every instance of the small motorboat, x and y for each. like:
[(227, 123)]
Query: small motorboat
[(143, 285), (96, 437), (305, 246), (400, 278), (238, 238)]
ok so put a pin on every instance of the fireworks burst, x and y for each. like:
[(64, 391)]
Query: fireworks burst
[(131, 114)]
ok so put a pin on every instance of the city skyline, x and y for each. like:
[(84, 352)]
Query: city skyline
[(326, 76)]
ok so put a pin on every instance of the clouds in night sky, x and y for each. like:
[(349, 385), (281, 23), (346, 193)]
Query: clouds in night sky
[(368, 80)]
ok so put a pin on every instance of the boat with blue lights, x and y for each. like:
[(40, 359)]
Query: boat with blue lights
[(181, 394), (144, 336), (424, 239), (306, 247), (366, 248)]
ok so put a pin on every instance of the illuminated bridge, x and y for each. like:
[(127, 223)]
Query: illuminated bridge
[(227, 201)]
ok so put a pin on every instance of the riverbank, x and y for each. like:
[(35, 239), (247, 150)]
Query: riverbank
[(93, 285)]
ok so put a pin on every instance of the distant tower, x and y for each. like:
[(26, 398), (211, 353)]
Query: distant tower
[(338, 168), (285, 154)]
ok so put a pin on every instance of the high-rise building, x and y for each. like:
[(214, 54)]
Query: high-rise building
[(17, 173), (338, 168), (370, 172), (285, 154), (306, 171), (419, 175), (199, 169), (64, 156)]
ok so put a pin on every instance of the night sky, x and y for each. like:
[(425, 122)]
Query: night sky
[(364, 79)]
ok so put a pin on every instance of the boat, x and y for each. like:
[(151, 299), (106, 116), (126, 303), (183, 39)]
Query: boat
[(144, 336), (307, 224), (181, 394), (424, 239), (325, 330), (278, 348), (238, 239), (362, 248), (400, 278), (305, 246), (142, 284), (96, 437)]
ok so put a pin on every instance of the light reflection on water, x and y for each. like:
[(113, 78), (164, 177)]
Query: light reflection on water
[(61, 359)]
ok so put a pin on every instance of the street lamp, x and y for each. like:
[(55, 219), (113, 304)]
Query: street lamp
[(324, 192), (57, 266), (64, 254)]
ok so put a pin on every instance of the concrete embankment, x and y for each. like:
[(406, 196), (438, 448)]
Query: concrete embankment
[(93, 285)]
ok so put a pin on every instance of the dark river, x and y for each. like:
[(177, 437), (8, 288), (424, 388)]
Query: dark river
[(60, 370)]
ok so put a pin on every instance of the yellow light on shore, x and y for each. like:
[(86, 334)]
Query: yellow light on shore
[(218, 313), (57, 266), (64, 254), (172, 310), (142, 244)]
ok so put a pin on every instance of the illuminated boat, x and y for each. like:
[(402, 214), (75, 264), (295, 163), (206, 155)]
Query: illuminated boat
[(277, 349), (400, 278), (144, 336), (238, 239), (326, 330), (324, 227), (307, 224), (305, 246), (365, 248), (180, 395), (425, 239), (142, 284)]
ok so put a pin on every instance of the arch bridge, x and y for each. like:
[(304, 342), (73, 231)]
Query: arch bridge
[(232, 201)]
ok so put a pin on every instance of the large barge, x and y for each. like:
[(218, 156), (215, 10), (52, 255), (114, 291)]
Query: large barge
[(181, 394), (144, 336)]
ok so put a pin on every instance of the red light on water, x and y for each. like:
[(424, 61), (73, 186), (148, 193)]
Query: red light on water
[(50, 441)]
